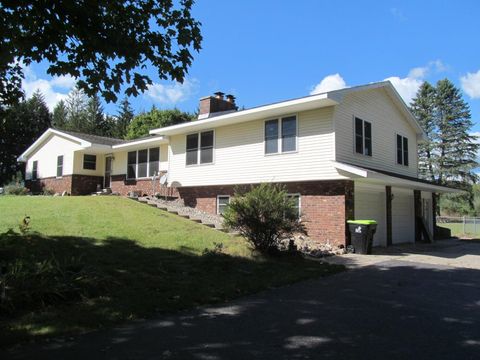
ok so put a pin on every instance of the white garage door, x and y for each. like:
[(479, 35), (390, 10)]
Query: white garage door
[(370, 205), (403, 216)]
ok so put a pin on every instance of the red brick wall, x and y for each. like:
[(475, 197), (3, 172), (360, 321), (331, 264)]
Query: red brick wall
[(325, 205), (72, 184), (120, 184)]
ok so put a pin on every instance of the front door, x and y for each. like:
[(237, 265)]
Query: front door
[(108, 171)]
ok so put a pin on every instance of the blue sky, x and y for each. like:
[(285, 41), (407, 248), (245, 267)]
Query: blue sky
[(266, 51)]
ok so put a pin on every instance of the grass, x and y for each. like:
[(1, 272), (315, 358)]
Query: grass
[(457, 229), (143, 262)]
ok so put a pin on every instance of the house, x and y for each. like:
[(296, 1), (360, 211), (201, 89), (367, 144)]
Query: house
[(343, 154)]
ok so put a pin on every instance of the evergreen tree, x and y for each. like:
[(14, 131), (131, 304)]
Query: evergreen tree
[(449, 155), (60, 115), (94, 117), (21, 126), (76, 111), (124, 118), (423, 107)]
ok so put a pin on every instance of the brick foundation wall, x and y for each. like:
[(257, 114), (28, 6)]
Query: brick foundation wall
[(72, 184), (122, 185), (86, 184), (325, 205)]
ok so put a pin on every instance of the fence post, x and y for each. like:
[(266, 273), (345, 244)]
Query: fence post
[(464, 225), (475, 225)]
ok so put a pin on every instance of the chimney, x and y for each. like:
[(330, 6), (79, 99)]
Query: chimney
[(210, 105)]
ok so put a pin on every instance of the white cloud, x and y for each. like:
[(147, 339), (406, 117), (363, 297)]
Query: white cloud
[(170, 94), (329, 83), (51, 89), (408, 86), (471, 84)]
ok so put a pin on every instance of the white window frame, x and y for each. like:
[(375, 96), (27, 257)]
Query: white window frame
[(199, 151), (299, 203), (279, 138), (403, 151), (363, 136), (218, 201), (148, 163), (63, 162)]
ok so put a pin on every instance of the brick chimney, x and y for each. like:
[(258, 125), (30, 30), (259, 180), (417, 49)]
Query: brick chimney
[(210, 105)]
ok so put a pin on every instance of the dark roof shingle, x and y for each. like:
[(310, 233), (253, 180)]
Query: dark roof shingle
[(95, 139)]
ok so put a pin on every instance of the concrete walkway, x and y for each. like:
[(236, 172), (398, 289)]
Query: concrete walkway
[(451, 252), (390, 307)]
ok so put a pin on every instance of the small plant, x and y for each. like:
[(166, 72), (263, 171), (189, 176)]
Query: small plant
[(24, 225), (48, 192), (264, 216), (217, 249)]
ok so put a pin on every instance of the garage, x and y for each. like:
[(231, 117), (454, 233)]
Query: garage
[(403, 216), (370, 205)]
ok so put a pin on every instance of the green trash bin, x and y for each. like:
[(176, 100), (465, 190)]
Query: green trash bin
[(361, 235)]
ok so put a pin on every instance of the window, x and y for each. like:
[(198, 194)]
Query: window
[(60, 166), (200, 148), (89, 162), (132, 165), (143, 163), (153, 161), (222, 203), (402, 150), (35, 170), (363, 137), (296, 201), (281, 135)]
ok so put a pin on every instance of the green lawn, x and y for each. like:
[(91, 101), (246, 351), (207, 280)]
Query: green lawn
[(457, 229), (140, 261)]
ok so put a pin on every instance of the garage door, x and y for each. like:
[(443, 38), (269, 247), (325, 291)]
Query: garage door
[(403, 216), (370, 205)]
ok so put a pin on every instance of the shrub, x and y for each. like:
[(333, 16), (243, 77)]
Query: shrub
[(264, 216), (15, 189)]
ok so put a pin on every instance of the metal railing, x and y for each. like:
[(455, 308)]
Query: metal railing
[(460, 224)]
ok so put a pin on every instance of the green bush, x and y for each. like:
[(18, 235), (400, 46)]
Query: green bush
[(15, 189), (264, 216)]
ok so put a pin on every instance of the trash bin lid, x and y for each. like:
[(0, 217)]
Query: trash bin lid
[(362, 222)]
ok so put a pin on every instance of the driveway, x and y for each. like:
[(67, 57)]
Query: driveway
[(402, 305)]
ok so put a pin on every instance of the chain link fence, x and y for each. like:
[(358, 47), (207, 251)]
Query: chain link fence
[(460, 225)]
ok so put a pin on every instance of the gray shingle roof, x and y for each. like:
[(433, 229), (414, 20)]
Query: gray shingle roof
[(95, 139)]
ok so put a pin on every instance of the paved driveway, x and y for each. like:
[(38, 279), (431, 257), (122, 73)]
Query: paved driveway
[(399, 307)]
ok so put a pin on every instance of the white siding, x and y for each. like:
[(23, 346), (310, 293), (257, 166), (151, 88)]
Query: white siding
[(239, 155), (403, 216), (376, 107), (47, 154), (370, 204), (119, 164)]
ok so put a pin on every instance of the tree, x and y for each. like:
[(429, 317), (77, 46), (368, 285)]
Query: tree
[(449, 155), (264, 216), (60, 114), (143, 123), (124, 118), (22, 124), (105, 44), (423, 107), (94, 117), (77, 111)]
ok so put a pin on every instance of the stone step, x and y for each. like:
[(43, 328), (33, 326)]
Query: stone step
[(162, 207), (174, 212), (210, 225), (196, 220), (185, 216)]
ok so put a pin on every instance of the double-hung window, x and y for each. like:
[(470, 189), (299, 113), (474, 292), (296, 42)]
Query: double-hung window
[(200, 148), (402, 150), (60, 166), (281, 135), (35, 170), (222, 203), (143, 163), (363, 137)]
